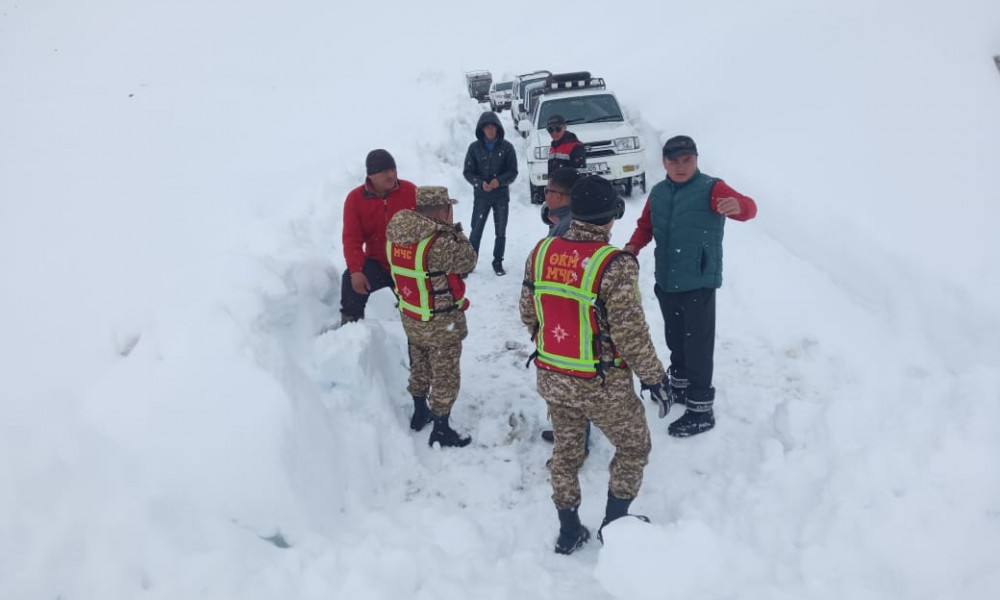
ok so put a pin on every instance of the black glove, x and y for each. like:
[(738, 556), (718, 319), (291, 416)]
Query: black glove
[(659, 393), (458, 227)]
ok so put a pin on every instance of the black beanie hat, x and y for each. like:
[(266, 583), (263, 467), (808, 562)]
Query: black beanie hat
[(378, 161), (593, 199)]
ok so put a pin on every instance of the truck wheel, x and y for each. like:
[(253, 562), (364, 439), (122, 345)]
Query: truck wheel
[(642, 183), (537, 194)]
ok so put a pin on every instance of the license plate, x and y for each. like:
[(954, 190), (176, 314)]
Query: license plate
[(594, 168)]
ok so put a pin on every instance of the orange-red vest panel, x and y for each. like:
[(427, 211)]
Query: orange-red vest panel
[(408, 266), (566, 278)]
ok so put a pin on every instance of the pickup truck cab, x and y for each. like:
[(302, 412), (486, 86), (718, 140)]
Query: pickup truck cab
[(592, 112), (478, 83)]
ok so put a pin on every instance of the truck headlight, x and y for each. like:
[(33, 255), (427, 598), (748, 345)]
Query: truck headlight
[(627, 143), (541, 152)]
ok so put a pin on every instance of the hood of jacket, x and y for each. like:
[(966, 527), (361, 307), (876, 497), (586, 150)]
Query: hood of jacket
[(489, 118), (409, 227)]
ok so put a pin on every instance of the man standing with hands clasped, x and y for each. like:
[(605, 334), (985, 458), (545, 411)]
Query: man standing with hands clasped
[(490, 166), (685, 214)]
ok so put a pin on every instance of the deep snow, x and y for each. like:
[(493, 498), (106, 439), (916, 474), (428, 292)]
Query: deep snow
[(171, 185)]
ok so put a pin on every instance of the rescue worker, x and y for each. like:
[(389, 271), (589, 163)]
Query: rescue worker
[(428, 255), (580, 302)]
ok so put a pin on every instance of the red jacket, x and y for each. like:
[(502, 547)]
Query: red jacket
[(644, 227), (365, 217)]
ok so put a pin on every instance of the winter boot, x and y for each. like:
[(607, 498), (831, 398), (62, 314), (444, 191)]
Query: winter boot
[(422, 415), (678, 388), (698, 418), (616, 509), (498, 267), (572, 534), (444, 435), (549, 436)]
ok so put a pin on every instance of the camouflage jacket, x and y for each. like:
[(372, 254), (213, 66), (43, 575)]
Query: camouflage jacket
[(619, 290), (451, 252)]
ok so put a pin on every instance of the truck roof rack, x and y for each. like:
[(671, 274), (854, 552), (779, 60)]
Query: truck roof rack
[(572, 81)]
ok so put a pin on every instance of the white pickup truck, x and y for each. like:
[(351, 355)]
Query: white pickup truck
[(592, 112), (500, 95)]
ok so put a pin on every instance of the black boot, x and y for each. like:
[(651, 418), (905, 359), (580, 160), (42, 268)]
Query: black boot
[(498, 267), (678, 389), (446, 436), (698, 418), (548, 435), (616, 509), (572, 534), (421, 414)]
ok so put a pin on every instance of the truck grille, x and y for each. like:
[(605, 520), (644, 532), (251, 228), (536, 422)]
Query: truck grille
[(601, 148)]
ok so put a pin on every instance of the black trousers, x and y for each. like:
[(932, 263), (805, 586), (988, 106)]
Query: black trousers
[(352, 304), (689, 319), (480, 212)]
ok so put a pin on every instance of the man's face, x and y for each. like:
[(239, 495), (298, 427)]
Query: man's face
[(681, 168), (556, 197), (490, 131), (383, 181), (557, 131)]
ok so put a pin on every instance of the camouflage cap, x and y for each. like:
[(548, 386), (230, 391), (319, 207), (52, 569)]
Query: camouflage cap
[(434, 195)]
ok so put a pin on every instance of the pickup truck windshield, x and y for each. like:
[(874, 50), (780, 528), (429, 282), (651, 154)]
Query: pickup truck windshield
[(600, 108)]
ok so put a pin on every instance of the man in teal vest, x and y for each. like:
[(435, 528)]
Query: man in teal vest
[(686, 213)]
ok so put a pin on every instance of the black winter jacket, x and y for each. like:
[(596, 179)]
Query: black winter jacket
[(568, 152), (485, 165)]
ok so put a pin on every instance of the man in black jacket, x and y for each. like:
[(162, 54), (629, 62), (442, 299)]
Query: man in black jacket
[(490, 166)]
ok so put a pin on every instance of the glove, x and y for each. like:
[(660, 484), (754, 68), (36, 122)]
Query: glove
[(458, 227), (659, 393)]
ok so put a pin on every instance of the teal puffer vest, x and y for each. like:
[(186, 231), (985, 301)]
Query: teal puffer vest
[(688, 234)]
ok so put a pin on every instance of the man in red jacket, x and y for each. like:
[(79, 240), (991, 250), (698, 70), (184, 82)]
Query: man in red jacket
[(367, 210)]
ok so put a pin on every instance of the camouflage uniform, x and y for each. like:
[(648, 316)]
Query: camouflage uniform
[(435, 345), (612, 404)]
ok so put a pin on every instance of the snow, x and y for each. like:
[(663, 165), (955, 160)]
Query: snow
[(178, 420)]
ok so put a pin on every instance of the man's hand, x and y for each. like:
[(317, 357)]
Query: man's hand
[(359, 282), (728, 207), (659, 393), (631, 249)]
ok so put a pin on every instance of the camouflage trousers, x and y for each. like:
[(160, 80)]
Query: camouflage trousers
[(616, 410), (435, 372)]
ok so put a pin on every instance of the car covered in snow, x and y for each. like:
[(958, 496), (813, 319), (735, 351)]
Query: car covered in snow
[(593, 113)]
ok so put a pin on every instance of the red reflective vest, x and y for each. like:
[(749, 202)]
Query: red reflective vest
[(566, 278), (408, 266)]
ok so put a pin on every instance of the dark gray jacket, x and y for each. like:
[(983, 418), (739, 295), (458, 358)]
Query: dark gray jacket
[(485, 165)]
